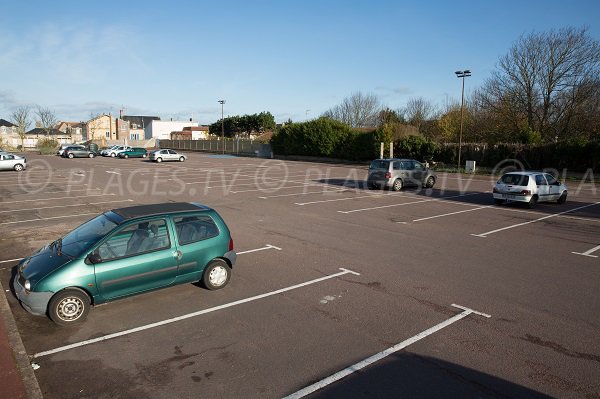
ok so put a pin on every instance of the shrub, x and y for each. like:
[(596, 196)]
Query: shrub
[(47, 145)]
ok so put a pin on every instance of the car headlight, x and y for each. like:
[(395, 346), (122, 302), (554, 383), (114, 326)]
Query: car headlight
[(27, 285)]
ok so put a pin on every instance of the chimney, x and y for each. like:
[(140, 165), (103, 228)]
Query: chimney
[(121, 114)]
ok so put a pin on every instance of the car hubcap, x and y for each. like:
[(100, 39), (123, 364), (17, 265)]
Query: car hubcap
[(217, 276), (70, 308)]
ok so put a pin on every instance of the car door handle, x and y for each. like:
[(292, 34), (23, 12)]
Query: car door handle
[(177, 255)]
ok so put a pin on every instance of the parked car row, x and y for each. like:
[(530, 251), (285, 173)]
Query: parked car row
[(120, 151)]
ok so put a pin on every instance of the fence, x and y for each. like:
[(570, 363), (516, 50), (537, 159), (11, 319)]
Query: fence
[(234, 147)]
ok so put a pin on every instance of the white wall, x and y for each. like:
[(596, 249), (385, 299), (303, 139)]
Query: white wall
[(162, 129)]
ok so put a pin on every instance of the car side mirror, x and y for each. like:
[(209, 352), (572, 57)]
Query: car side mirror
[(94, 258)]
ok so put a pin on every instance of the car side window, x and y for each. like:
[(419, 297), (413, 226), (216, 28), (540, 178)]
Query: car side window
[(551, 180), (8, 157), (418, 165), (172, 152), (410, 165), (398, 165), (540, 180), (164, 152), (136, 239), (195, 228)]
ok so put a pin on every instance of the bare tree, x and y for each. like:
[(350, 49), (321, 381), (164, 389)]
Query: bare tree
[(418, 110), (544, 81), (358, 110), (47, 119), (21, 117)]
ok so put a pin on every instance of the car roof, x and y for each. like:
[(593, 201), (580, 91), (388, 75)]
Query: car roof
[(523, 173), (136, 211), (395, 159)]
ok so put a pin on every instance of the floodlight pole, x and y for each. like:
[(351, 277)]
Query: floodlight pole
[(222, 102), (463, 75)]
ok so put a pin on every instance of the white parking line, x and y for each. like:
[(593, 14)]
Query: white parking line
[(273, 189), (194, 314), (451, 213), (305, 193), (268, 246), (64, 206), (383, 354), (10, 260), (56, 198), (589, 252), (374, 195), (54, 217), (408, 203), (483, 235)]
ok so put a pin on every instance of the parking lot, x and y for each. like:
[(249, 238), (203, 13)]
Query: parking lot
[(393, 289)]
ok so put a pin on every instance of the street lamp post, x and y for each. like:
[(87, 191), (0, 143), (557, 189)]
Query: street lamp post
[(222, 102), (461, 74)]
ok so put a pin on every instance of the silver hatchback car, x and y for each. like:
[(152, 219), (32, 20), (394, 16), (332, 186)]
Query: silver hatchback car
[(12, 162), (396, 173), (529, 187), (166, 155)]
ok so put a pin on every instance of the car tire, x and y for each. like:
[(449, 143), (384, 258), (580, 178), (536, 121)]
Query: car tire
[(125, 156), (562, 199), (430, 182), (68, 306), (159, 159), (181, 159), (498, 201), (91, 155), (18, 167), (397, 186), (70, 156), (532, 202), (216, 275), (144, 155)]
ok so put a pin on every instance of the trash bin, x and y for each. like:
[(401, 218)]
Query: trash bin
[(470, 167)]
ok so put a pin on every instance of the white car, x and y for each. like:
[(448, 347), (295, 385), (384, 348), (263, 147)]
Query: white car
[(114, 151), (166, 155), (529, 187), (12, 162), (105, 151)]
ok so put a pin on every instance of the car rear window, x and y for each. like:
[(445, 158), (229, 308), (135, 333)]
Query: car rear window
[(195, 228), (515, 180), (379, 164)]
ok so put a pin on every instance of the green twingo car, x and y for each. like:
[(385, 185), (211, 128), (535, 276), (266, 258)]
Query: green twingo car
[(135, 152), (124, 252)]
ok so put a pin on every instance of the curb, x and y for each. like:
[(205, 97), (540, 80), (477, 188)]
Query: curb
[(23, 364)]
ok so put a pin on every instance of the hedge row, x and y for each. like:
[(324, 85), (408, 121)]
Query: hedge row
[(328, 138)]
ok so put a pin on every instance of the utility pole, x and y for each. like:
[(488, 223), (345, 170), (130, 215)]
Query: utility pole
[(222, 102), (463, 75)]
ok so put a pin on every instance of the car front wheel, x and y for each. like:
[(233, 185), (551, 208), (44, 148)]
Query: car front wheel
[(429, 182), (18, 167), (563, 198), (68, 306), (125, 156), (216, 275), (113, 155), (159, 160), (181, 159), (70, 156), (91, 155)]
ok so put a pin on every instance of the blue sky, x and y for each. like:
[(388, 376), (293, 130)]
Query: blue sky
[(295, 59)]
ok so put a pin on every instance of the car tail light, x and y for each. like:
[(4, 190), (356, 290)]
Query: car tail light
[(388, 175), (525, 192), (231, 244)]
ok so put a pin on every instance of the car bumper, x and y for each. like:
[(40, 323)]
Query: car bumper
[(231, 256), (380, 183), (510, 197), (34, 302)]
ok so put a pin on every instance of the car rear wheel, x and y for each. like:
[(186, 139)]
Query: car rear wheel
[(397, 186), (112, 155), (125, 156), (144, 155), (429, 182), (91, 155), (181, 159), (70, 156), (562, 199), (216, 275), (68, 306), (18, 167), (533, 202), (159, 160)]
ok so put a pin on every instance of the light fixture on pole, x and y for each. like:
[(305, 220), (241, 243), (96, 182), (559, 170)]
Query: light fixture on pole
[(222, 102), (461, 74)]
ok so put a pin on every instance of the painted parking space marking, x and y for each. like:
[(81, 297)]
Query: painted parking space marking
[(374, 195), (64, 206), (451, 213), (335, 190), (408, 203), (49, 218), (383, 354), (588, 252), (56, 198), (268, 246), (484, 235), (10, 260), (194, 314)]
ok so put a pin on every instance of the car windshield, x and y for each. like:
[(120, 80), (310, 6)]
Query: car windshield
[(379, 164), (514, 179), (83, 237)]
